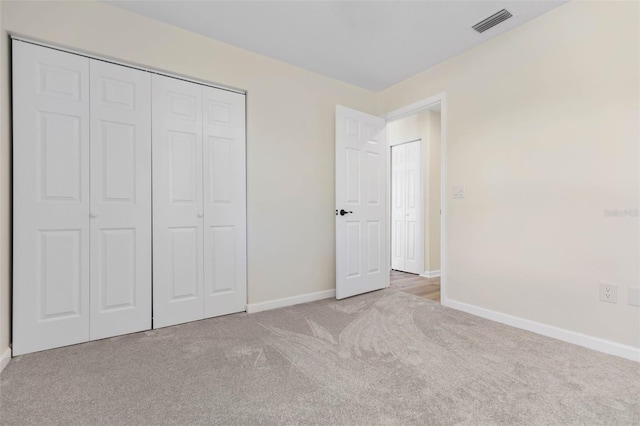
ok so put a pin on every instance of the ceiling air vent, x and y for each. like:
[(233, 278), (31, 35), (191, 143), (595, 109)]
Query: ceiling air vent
[(492, 21)]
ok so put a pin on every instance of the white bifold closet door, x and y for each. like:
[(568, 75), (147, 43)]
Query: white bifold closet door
[(177, 202), (406, 222), (50, 198), (198, 202), (82, 206), (224, 186), (120, 200)]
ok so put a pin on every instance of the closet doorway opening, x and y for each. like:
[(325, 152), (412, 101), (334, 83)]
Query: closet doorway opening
[(415, 148)]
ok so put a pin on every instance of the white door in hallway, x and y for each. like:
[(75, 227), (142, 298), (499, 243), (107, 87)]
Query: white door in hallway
[(406, 208), (361, 229), (50, 198), (120, 200), (178, 210)]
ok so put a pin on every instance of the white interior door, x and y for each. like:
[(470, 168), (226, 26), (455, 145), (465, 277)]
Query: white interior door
[(406, 212), (361, 229), (50, 198), (120, 200), (225, 235), (178, 211), (398, 206), (413, 217)]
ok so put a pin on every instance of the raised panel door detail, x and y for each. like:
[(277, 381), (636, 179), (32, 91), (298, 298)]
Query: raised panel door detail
[(372, 134), (221, 152), (183, 167), (118, 94), (407, 198), (361, 163), (352, 128), (411, 240), (50, 199), (353, 249), (220, 113), (223, 263), (398, 238), (353, 176), (398, 211), (120, 200), (59, 283), (398, 180), (184, 263), (374, 245), (412, 184), (413, 252), (224, 170), (178, 201), (398, 189), (117, 269), (373, 178), (59, 82), (118, 162), (182, 106), (60, 156)]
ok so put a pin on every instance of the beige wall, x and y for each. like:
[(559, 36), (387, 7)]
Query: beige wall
[(409, 128), (542, 127), (290, 134), (425, 126)]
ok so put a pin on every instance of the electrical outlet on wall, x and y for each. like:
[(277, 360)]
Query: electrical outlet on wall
[(608, 293)]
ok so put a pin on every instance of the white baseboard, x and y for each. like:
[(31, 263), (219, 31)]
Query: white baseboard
[(290, 301), (431, 274), (595, 343), (5, 358)]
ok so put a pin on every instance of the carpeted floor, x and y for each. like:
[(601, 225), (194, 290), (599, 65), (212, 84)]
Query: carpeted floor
[(383, 358)]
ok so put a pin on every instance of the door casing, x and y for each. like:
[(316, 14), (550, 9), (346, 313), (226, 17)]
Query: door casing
[(405, 111)]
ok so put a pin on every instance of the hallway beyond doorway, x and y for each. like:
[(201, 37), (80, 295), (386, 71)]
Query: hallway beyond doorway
[(429, 288)]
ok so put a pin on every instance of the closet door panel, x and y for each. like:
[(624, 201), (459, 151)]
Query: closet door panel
[(178, 294), (225, 279), (398, 207), (50, 198), (413, 227), (120, 200), (407, 229)]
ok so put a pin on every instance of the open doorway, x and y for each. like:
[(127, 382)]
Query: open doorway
[(415, 144)]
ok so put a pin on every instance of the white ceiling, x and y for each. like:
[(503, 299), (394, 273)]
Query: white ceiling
[(369, 44)]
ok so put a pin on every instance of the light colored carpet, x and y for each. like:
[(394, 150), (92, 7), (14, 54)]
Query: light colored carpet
[(383, 358)]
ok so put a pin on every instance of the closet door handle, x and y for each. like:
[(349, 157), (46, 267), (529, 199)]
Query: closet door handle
[(200, 214), (93, 215)]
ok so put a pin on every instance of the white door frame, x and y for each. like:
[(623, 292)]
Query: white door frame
[(421, 213), (406, 111)]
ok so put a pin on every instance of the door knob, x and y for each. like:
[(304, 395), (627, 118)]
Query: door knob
[(93, 215), (343, 212), (200, 214)]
